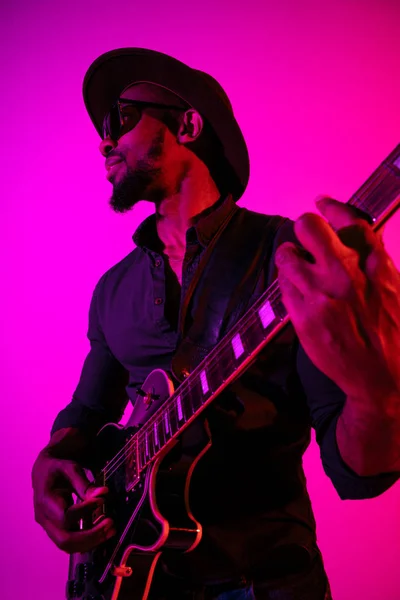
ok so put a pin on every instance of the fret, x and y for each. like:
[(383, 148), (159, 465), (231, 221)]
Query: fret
[(230, 360), (156, 436), (277, 305), (131, 462), (173, 417), (204, 382), (360, 199), (194, 396), (152, 448), (257, 326), (237, 346), (376, 196), (377, 200), (187, 396), (179, 408), (154, 439), (149, 443), (167, 426), (266, 314), (220, 367), (164, 437), (142, 453), (159, 433)]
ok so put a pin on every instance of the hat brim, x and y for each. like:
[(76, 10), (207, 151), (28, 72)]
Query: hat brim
[(113, 71)]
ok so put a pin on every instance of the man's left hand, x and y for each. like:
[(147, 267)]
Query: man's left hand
[(342, 294)]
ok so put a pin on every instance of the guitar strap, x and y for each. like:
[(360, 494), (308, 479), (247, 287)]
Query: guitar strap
[(200, 269), (223, 284)]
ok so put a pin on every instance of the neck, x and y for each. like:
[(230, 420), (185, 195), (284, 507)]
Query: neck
[(178, 211)]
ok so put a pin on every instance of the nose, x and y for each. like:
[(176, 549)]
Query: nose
[(107, 145)]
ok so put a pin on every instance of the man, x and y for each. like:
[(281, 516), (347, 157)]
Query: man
[(169, 136)]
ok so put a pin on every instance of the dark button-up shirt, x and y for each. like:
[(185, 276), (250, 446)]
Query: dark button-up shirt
[(252, 480)]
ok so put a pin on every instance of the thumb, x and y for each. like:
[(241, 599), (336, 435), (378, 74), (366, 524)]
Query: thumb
[(78, 479)]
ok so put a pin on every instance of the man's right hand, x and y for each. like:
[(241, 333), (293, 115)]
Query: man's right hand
[(54, 481)]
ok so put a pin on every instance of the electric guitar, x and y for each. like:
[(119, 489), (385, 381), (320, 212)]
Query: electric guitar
[(149, 492)]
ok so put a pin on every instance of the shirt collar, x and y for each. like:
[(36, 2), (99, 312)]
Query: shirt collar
[(207, 225)]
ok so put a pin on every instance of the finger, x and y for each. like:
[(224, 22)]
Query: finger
[(337, 213), (363, 240), (89, 539), (380, 232), (292, 298), (78, 479), (80, 541), (293, 267), (82, 510), (94, 492), (318, 238), (380, 268), (53, 505)]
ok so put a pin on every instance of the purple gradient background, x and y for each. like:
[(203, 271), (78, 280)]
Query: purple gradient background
[(316, 90)]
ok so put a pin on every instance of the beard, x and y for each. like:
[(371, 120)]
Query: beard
[(135, 185), (132, 188)]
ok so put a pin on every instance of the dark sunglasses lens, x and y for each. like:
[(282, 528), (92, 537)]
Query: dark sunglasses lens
[(115, 123), (111, 124), (130, 116)]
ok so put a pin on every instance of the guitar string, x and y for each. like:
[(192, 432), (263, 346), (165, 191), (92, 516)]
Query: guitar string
[(153, 430), (156, 420), (169, 408), (272, 293), (380, 174), (379, 177), (186, 385), (395, 189), (148, 428)]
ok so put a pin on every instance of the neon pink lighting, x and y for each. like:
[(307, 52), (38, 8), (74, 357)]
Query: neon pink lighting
[(316, 90)]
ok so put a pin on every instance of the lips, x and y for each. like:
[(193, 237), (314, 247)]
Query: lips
[(110, 162)]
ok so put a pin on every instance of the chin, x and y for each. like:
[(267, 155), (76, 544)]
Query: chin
[(125, 197), (133, 187)]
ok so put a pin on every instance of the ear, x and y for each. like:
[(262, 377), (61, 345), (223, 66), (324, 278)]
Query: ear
[(190, 128)]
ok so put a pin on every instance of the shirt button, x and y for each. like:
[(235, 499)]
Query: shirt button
[(158, 263), (158, 301)]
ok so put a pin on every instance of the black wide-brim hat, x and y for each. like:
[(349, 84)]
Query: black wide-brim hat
[(113, 71)]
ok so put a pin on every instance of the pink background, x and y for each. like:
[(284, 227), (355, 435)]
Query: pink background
[(316, 90)]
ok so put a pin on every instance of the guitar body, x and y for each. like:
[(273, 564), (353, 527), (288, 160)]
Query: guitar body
[(150, 509)]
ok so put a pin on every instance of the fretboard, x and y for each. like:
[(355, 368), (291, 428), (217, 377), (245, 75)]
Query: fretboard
[(378, 198)]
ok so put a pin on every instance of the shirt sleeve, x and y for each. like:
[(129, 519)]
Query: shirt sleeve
[(100, 396), (326, 400)]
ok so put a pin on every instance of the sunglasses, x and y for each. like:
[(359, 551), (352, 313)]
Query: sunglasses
[(125, 114)]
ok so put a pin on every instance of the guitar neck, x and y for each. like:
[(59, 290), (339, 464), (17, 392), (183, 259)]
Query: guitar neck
[(378, 197)]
